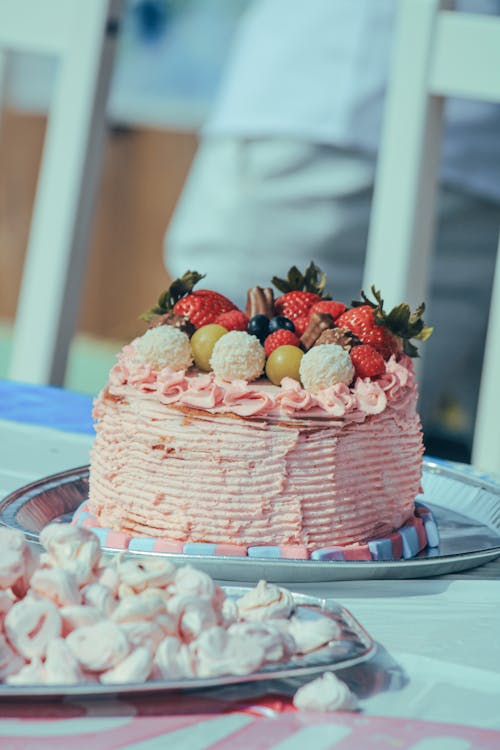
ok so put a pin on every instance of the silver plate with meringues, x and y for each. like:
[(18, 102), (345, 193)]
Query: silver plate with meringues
[(351, 646), (465, 504)]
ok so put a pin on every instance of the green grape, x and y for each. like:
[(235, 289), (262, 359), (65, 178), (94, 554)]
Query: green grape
[(202, 343), (284, 362)]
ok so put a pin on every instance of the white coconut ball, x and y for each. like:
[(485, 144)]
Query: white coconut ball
[(238, 356), (324, 366), (164, 346)]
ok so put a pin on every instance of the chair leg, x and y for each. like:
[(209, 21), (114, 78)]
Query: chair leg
[(59, 236), (486, 445)]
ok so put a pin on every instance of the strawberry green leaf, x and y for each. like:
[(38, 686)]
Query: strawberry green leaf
[(313, 280), (177, 289)]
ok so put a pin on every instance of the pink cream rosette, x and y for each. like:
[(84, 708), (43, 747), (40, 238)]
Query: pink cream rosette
[(370, 396), (337, 400), (139, 374), (171, 384), (397, 376), (245, 401), (292, 397), (142, 376), (118, 375), (202, 392)]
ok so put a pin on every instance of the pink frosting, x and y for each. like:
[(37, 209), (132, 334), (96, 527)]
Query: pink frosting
[(242, 399), (337, 400), (171, 384), (371, 397), (397, 376), (143, 377), (202, 392), (118, 375), (139, 374), (293, 397)]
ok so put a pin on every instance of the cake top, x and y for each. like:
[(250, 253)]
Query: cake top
[(301, 346)]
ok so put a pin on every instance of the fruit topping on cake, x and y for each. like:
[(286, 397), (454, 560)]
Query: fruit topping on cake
[(324, 366), (259, 326), (328, 306), (203, 306), (304, 334), (367, 361), (202, 343), (281, 337), (300, 292), (387, 333), (200, 307), (233, 320), (284, 362)]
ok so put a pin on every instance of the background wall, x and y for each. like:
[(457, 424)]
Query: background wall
[(143, 172)]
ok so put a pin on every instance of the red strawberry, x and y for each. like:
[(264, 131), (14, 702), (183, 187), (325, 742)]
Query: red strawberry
[(300, 324), (203, 306), (295, 304), (233, 320), (330, 307), (367, 361), (361, 321), (281, 337)]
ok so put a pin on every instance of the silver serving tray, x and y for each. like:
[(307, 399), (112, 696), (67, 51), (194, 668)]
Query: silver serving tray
[(353, 646), (466, 506)]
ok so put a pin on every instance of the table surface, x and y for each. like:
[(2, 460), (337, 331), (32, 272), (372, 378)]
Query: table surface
[(434, 683)]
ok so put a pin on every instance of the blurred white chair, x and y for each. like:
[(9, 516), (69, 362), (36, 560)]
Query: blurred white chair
[(81, 34), (438, 52)]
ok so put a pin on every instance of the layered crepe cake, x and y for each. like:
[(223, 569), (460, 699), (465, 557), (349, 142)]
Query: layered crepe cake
[(286, 430)]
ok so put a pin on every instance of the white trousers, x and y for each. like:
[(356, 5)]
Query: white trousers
[(252, 208)]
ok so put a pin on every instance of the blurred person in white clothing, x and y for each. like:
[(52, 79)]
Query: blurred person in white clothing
[(284, 174)]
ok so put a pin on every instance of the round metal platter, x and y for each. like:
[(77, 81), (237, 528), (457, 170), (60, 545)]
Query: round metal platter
[(466, 506)]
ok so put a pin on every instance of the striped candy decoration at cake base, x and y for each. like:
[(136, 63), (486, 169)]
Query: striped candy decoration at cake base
[(419, 532)]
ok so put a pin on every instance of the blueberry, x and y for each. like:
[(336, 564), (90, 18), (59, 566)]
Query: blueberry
[(259, 326), (281, 322)]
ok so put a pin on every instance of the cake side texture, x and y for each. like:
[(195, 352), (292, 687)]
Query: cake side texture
[(174, 459)]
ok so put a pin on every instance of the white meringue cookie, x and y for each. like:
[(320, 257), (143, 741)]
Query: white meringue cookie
[(17, 560), (76, 616), (108, 576), (142, 573), (61, 667), (229, 612), (31, 624), (174, 660), (192, 613), (6, 602), (72, 548), (138, 607), (217, 653), (189, 580), (278, 645), (136, 667), (32, 673), (99, 647), (143, 634), (58, 585), (326, 693), (99, 596), (264, 602), (10, 661), (310, 635)]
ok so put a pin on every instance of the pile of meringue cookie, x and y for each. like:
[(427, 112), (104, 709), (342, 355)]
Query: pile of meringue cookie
[(69, 616)]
